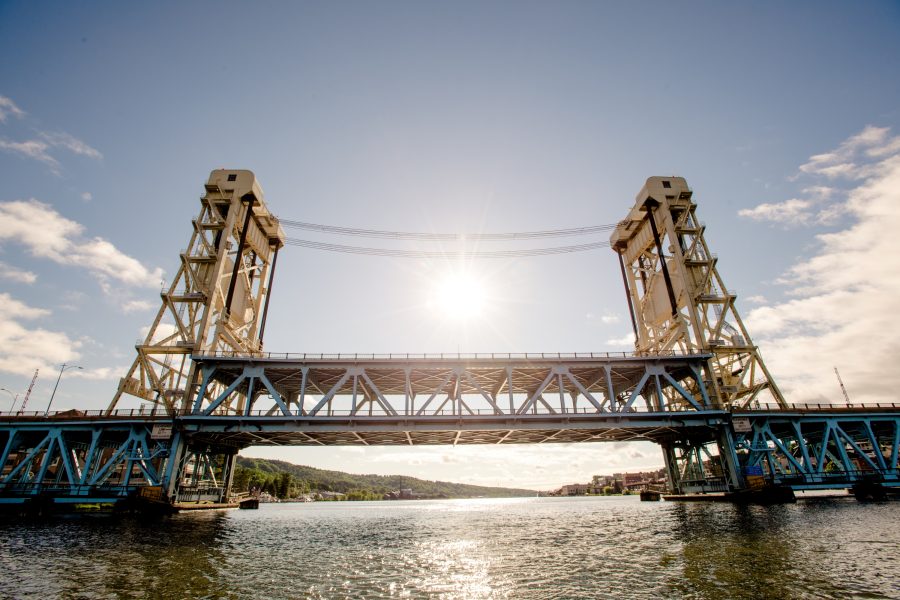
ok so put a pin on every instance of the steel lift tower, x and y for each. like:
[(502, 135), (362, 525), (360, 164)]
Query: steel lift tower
[(218, 299), (679, 304), (677, 298)]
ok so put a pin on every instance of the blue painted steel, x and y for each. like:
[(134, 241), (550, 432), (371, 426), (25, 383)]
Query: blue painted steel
[(822, 449)]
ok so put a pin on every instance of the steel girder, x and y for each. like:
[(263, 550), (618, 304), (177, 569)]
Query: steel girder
[(807, 450), (386, 401), (79, 459), (254, 386)]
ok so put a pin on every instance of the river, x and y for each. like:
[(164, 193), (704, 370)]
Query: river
[(614, 547)]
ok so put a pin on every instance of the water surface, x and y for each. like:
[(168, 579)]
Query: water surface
[(614, 547)]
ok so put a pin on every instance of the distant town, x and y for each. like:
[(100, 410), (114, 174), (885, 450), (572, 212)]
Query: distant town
[(617, 483)]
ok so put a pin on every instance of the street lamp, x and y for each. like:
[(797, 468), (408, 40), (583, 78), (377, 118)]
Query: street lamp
[(62, 368), (15, 398)]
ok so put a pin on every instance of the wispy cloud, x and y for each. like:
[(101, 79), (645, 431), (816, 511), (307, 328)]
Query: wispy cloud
[(849, 158), (845, 296), (47, 234), (824, 202), (7, 108), (70, 143), (40, 148), (34, 149), (12, 273)]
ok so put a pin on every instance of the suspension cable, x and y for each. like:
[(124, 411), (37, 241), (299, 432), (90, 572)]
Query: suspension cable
[(399, 253), (448, 237)]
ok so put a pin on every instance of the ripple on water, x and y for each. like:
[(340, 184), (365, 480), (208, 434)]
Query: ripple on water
[(519, 548)]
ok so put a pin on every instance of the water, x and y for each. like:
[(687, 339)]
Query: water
[(613, 547)]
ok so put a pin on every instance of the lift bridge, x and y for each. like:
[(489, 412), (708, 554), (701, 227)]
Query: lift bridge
[(695, 384)]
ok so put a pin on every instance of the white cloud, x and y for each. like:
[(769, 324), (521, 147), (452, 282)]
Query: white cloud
[(790, 212), (606, 318), (7, 108), (841, 162), (163, 330), (136, 306), (627, 340), (15, 274), (856, 159), (87, 196), (758, 299), (15, 308), (845, 297), (48, 234), (22, 350)]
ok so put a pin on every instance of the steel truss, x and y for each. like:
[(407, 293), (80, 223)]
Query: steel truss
[(219, 295), (678, 300), (247, 400), (825, 449), (97, 459), (79, 459)]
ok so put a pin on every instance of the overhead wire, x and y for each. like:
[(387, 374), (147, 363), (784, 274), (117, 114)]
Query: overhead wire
[(400, 253), (447, 237)]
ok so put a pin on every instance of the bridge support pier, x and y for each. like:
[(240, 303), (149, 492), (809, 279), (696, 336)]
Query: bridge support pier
[(703, 465)]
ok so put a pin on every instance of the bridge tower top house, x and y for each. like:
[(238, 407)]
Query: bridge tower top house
[(218, 299), (677, 298)]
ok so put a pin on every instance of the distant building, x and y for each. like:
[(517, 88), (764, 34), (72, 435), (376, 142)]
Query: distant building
[(575, 489)]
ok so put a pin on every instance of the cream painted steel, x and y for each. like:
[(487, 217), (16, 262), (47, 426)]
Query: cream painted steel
[(216, 301), (678, 299)]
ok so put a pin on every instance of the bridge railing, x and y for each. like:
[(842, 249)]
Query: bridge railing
[(443, 355), (162, 415), (822, 406)]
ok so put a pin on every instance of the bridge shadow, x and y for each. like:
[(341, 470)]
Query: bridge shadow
[(734, 551), (112, 556)]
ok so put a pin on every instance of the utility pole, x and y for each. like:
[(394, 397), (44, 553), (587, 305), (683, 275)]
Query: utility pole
[(62, 368)]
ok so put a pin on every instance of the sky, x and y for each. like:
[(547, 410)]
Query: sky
[(451, 117)]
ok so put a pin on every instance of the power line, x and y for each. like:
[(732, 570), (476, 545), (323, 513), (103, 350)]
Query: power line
[(398, 253), (447, 237)]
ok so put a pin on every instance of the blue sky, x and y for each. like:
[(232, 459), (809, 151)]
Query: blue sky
[(450, 118)]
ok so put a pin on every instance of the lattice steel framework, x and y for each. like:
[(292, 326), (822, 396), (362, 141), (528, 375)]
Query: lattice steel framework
[(218, 299), (411, 401), (823, 448), (80, 459), (677, 298), (99, 459)]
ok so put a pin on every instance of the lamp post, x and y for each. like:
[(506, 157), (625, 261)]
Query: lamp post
[(14, 397), (62, 368)]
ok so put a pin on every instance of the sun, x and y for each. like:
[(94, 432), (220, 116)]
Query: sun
[(459, 295)]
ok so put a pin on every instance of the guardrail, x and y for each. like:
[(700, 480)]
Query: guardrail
[(161, 414), (445, 355), (822, 406)]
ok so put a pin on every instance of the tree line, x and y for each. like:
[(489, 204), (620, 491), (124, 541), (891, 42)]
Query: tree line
[(285, 480)]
